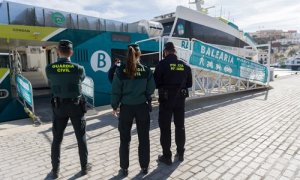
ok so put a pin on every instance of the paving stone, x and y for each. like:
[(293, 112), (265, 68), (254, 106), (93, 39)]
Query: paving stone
[(196, 169), (227, 176), (261, 172), (214, 175), (241, 176), (283, 178), (186, 175), (200, 175), (255, 177), (244, 138)]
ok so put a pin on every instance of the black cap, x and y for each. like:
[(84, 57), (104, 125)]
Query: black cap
[(135, 46), (65, 45), (169, 46)]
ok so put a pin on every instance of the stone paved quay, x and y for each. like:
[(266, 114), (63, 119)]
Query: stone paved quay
[(253, 135)]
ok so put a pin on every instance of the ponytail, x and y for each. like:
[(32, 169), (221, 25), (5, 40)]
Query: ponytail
[(131, 63)]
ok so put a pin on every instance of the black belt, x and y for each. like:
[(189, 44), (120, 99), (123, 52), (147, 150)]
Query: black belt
[(68, 99)]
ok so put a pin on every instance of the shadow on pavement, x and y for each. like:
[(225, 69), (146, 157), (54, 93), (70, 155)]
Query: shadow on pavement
[(193, 107), (75, 176), (157, 172)]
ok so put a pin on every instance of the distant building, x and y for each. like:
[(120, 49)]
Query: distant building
[(287, 41), (262, 57), (282, 43), (291, 34), (268, 34), (280, 36)]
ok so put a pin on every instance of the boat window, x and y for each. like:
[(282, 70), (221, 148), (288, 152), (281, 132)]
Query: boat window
[(115, 26), (86, 22), (72, 23), (21, 14), (3, 13), (182, 29), (15, 13), (206, 34), (167, 28), (39, 17)]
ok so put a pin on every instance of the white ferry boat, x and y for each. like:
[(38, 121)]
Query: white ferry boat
[(30, 34)]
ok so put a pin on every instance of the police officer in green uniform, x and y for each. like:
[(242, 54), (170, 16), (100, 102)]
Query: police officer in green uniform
[(173, 78), (132, 85), (65, 80)]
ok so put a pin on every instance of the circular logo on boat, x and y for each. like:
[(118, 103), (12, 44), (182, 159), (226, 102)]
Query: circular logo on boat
[(180, 29), (58, 18), (100, 61), (3, 93)]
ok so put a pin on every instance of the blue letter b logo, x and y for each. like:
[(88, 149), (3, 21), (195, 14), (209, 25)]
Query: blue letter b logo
[(101, 60)]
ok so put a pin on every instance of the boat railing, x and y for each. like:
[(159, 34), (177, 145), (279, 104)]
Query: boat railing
[(216, 71)]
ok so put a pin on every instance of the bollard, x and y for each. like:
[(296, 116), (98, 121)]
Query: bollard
[(272, 74)]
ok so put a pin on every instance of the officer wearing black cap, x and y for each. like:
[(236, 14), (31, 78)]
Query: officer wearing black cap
[(132, 84), (65, 80), (173, 78)]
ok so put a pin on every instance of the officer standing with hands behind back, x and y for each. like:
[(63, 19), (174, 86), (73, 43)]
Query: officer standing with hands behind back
[(172, 78), (65, 80)]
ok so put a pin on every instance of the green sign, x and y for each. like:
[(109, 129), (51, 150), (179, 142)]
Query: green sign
[(58, 18), (24, 89), (214, 59)]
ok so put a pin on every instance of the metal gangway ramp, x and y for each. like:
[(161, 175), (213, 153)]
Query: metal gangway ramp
[(215, 71)]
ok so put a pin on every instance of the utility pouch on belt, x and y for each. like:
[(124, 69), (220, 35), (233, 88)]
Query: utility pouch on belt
[(163, 94), (184, 93), (83, 104)]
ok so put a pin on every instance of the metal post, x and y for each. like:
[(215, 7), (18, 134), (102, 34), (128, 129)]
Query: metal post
[(32, 99), (268, 64), (8, 12), (160, 48), (194, 80)]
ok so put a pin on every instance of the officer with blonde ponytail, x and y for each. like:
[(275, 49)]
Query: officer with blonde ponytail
[(132, 85)]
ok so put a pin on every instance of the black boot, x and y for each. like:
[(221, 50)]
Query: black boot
[(124, 172), (165, 160), (180, 157), (144, 170), (86, 169), (54, 174)]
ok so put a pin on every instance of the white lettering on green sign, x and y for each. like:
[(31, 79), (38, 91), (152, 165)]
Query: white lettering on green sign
[(216, 54)]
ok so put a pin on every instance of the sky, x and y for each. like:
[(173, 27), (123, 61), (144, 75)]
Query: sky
[(249, 15)]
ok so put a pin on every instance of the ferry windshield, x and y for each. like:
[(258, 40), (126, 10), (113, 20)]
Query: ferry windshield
[(167, 28), (206, 34)]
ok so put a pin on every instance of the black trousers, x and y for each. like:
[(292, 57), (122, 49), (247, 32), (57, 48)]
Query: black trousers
[(141, 115), (172, 107), (61, 116)]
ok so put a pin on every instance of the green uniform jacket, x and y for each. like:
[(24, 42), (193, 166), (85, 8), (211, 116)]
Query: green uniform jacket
[(132, 91), (65, 78)]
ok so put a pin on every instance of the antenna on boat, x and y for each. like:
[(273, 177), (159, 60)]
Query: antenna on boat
[(199, 4)]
